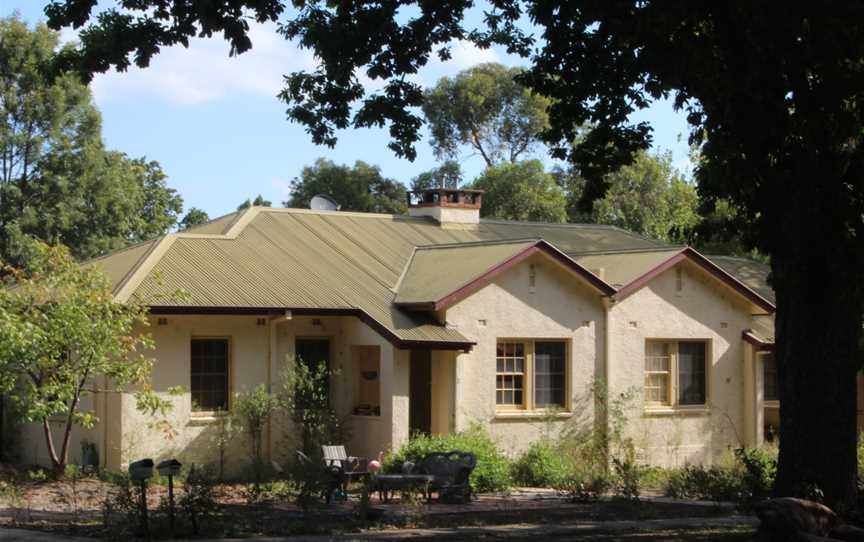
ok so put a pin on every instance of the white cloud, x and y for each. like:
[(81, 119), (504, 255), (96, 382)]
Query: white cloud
[(204, 72), (465, 54)]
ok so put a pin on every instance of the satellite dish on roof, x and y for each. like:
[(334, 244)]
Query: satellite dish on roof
[(322, 202)]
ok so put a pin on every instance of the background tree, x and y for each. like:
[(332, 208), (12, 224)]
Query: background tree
[(193, 217), (485, 108), (61, 334), (357, 188), (773, 97), (521, 191), (259, 201), (651, 198), (57, 181), (447, 175)]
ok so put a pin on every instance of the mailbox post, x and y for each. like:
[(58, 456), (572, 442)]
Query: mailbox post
[(140, 472), (170, 468)]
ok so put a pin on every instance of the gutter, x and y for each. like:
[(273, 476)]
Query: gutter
[(395, 340)]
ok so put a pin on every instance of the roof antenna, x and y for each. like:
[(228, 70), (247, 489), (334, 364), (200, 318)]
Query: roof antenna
[(323, 202)]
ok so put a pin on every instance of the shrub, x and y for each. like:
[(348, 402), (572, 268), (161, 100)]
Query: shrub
[(627, 477), (120, 509), (304, 394), (493, 469), (583, 486), (253, 410), (544, 464), (704, 483), (759, 471), (198, 502)]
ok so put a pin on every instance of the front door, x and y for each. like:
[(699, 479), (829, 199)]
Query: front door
[(314, 352), (420, 398)]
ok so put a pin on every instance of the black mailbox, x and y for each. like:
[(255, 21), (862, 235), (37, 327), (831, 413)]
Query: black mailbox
[(169, 467), (141, 470)]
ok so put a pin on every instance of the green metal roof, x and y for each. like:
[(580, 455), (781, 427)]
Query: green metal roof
[(302, 259), (620, 268), (437, 271), (752, 273)]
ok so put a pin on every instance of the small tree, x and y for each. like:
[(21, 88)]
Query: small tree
[(305, 397), (253, 410), (60, 332)]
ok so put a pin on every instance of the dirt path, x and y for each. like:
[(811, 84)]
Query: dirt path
[(731, 528)]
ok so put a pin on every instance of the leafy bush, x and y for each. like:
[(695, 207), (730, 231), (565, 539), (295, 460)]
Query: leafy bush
[(198, 502), (304, 395), (759, 471), (704, 483), (749, 479), (120, 509), (493, 469), (252, 410), (627, 478), (544, 464), (583, 486)]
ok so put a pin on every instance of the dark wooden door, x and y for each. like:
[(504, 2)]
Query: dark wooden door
[(313, 352), (420, 397)]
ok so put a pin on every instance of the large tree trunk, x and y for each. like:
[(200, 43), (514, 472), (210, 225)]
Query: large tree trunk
[(818, 329)]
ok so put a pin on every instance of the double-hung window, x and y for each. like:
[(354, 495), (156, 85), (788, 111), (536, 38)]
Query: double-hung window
[(676, 373), (531, 374)]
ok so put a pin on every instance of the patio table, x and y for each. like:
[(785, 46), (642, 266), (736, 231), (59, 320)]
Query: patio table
[(387, 483)]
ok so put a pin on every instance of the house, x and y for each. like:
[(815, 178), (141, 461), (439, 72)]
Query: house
[(440, 319)]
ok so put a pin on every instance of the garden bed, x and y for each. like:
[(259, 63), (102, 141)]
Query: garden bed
[(77, 508)]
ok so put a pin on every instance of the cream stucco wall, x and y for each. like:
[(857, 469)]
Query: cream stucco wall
[(554, 304), (557, 306), (689, 305), (260, 347)]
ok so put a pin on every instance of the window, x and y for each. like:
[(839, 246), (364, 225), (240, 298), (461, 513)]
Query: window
[(549, 380), (769, 378), (209, 378), (510, 374), (658, 373), (675, 373), (531, 374)]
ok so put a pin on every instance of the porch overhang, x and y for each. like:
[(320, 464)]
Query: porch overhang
[(760, 343), (395, 340)]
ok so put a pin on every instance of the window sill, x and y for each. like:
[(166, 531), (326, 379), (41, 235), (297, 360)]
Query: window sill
[(531, 414), (678, 411), (206, 418)]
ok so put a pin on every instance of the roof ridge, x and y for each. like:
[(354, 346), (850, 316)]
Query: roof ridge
[(355, 214), (212, 220), (610, 252), (120, 250), (480, 243), (738, 258), (140, 264)]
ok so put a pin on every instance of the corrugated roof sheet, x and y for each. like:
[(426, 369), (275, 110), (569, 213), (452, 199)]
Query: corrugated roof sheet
[(297, 258), (118, 265), (217, 226), (622, 267), (437, 271), (752, 273)]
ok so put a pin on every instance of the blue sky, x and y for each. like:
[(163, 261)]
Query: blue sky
[(221, 135)]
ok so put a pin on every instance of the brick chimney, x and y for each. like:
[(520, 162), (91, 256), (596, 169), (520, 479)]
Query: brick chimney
[(449, 207)]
